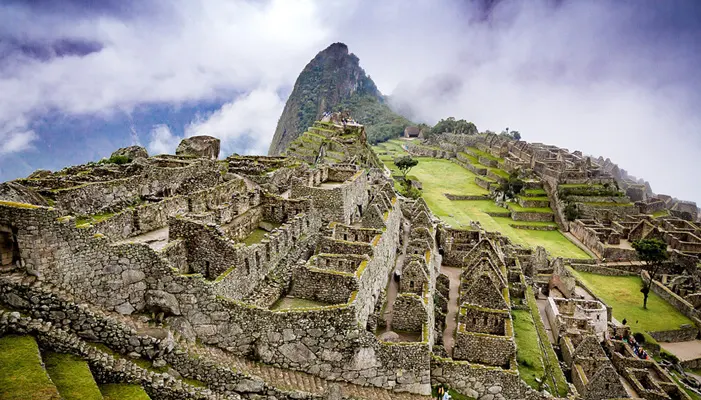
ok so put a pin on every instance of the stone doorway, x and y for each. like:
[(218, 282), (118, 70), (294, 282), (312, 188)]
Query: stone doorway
[(9, 250)]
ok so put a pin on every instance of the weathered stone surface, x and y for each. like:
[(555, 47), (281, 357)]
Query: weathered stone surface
[(132, 152), (199, 146), (162, 301)]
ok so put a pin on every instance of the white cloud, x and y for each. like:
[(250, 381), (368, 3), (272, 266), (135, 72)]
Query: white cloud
[(163, 141), (583, 75), (245, 125)]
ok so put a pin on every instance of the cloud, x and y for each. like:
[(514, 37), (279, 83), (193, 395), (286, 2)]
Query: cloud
[(246, 125), (162, 140), (611, 78)]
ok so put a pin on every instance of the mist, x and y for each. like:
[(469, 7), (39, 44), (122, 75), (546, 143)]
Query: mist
[(612, 78)]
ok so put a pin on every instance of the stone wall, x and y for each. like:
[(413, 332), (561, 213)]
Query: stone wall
[(483, 348), (409, 313), (321, 285), (481, 382)]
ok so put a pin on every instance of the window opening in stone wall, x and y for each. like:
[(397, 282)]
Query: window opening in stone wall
[(246, 267), (411, 284), (257, 259), (345, 236), (360, 210), (7, 246), (206, 269)]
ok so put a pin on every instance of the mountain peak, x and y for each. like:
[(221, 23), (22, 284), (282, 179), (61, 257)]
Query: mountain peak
[(331, 81)]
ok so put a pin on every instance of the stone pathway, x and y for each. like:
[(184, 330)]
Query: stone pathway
[(450, 319), (393, 285), (286, 379), (684, 350), (156, 239)]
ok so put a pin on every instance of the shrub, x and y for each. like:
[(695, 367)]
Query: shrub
[(115, 159), (639, 337)]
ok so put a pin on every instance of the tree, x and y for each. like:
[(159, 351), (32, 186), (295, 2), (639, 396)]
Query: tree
[(653, 252), (516, 135), (452, 125), (512, 186), (405, 164)]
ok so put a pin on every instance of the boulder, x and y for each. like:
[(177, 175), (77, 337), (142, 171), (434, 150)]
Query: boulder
[(389, 337), (199, 146), (132, 152), (14, 192), (160, 301)]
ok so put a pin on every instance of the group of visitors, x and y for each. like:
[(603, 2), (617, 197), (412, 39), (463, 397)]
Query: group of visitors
[(442, 393), (637, 348)]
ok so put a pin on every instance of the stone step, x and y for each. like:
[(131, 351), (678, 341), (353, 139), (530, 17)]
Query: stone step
[(22, 374), (72, 376)]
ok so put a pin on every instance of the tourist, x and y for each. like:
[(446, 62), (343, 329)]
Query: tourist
[(440, 392)]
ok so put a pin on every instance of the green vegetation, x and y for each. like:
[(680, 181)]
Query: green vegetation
[(661, 213), (622, 293), (381, 123), (529, 356), (691, 393), (91, 219), (72, 377), (115, 159), (21, 374), (518, 208), (255, 237), (484, 154), (535, 192), (607, 204), (555, 377), (440, 176), (122, 391), (653, 252), (451, 125), (588, 190)]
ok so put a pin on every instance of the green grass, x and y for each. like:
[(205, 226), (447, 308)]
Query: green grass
[(529, 356), (623, 294), (91, 219), (499, 172), (481, 153), (555, 376), (518, 208), (691, 394), (580, 186), (661, 213), (21, 373), (255, 237), (72, 377), (122, 391), (440, 176), (534, 198), (535, 192)]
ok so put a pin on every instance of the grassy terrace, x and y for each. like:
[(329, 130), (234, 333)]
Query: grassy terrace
[(623, 294), (21, 374), (529, 356), (484, 154), (535, 193), (439, 176), (518, 208), (72, 377), (121, 391)]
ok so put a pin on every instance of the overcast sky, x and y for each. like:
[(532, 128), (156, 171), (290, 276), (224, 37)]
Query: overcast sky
[(618, 78)]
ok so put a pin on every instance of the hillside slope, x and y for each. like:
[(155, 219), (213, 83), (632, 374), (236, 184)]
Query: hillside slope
[(332, 81)]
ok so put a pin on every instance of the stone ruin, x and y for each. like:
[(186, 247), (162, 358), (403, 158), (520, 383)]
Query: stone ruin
[(303, 276)]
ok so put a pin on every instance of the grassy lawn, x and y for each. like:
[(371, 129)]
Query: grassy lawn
[(623, 294), (440, 176), (518, 208), (21, 374), (486, 155), (535, 192), (661, 213), (529, 356), (72, 377), (122, 391)]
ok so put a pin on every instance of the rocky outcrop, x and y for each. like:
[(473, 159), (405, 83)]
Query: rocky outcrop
[(199, 146), (14, 192), (131, 152)]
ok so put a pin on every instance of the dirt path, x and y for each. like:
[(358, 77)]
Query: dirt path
[(450, 319), (393, 286), (684, 350)]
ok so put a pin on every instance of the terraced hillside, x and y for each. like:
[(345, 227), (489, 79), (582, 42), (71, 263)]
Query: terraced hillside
[(470, 180)]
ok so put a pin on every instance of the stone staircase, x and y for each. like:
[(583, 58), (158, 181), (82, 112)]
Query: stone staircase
[(283, 379), (28, 373), (295, 380)]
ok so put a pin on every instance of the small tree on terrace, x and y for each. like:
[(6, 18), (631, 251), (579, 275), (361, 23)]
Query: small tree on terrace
[(405, 164), (512, 186), (653, 252)]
